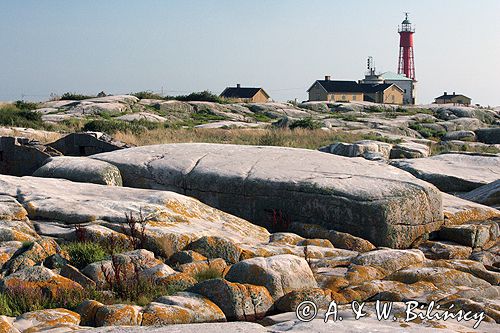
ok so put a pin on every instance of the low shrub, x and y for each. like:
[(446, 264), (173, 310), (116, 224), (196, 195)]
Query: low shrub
[(306, 123), (83, 253), (147, 95), (68, 96), (111, 126)]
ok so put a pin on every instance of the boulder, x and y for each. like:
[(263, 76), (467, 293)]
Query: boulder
[(459, 135), (203, 310), (48, 319), (441, 277), (80, 169), (172, 221), (237, 301), (321, 297), (459, 211), (87, 310), (348, 195), (445, 250), (279, 274), (74, 274), (34, 253), (338, 239), (216, 247), (488, 135), (410, 150), (185, 257), (475, 235), (454, 172), (39, 280), (488, 194), (389, 261), (118, 315), (127, 264), (368, 149)]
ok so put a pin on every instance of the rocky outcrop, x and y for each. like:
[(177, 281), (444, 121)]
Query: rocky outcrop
[(488, 194), (348, 195), (410, 150), (454, 172), (21, 156), (173, 220), (488, 135), (80, 169), (238, 301), (279, 274), (369, 149)]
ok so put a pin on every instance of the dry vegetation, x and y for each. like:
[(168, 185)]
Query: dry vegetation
[(299, 138)]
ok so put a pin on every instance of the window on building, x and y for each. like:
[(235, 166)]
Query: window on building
[(343, 98), (353, 97)]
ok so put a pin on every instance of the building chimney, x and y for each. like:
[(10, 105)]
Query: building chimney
[(453, 93), (445, 93), (327, 77), (238, 85)]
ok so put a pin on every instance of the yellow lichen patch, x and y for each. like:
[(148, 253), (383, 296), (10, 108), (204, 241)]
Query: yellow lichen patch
[(118, 315), (317, 242), (87, 311), (54, 285), (181, 209), (6, 325), (469, 214), (50, 318), (177, 279), (358, 274), (157, 314), (195, 267)]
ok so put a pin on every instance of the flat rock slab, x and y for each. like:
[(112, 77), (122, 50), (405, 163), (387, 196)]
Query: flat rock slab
[(454, 172), (172, 216), (374, 201)]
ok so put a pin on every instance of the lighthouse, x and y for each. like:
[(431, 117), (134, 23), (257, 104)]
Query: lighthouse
[(406, 65)]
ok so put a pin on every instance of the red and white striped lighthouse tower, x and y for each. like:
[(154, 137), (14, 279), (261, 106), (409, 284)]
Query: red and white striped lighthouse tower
[(406, 64)]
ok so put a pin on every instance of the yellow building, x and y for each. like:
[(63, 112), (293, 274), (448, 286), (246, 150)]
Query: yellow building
[(352, 91), (453, 99), (384, 93), (335, 91), (245, 95)]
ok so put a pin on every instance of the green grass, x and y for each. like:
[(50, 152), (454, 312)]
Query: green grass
[(426, 132), (11, 115), (208, 274), (84, 253)]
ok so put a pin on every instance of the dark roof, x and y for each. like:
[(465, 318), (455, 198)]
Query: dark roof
[(374, 88), (340, 86), (448, 97), (332, 86), (239, 92)]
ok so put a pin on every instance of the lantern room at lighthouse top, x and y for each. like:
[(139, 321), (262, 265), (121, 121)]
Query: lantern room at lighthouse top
[(406, 25)]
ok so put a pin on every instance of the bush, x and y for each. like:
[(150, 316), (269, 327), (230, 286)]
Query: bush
[(203, 96), (11, 115), (147, 95), (23, 105), (427, 132), (84, 253), (111, 126), (307, 123), (74, 97)]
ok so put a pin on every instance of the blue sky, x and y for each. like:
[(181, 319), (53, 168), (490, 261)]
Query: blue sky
[(54, 46)]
